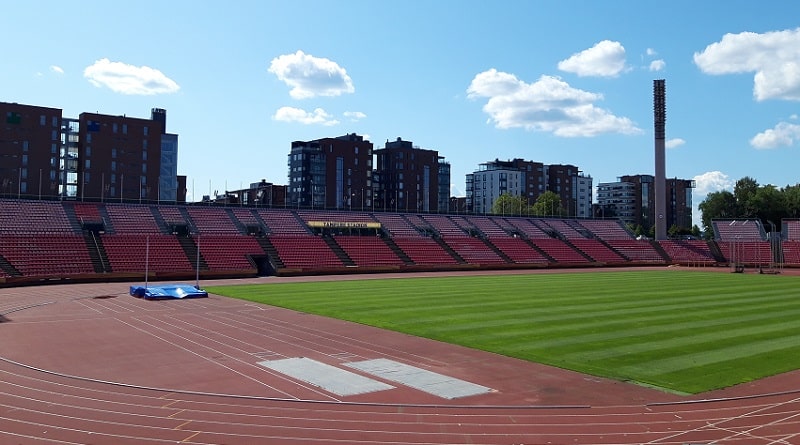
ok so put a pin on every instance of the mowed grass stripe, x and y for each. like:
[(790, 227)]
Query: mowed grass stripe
[(614, 328), (642, 326), (653, 316), (741, 334)]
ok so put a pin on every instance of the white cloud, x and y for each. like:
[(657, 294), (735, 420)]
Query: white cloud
[(56, 69), (291, 114), (548, 105), (706, 183), (774, 57), (674, 143), (604, 59), (129, 79), (713, 181), (310, 76), (783, 134), (651, 52), (354, 116), (657, 65)]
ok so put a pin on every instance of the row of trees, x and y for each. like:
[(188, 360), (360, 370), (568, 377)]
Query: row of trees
[(547, 204), (767, 203), (749, 200)]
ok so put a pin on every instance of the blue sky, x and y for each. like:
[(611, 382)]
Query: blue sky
[(559, 82)]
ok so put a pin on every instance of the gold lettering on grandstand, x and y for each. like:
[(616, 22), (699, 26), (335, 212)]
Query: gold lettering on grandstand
[(344, 225)]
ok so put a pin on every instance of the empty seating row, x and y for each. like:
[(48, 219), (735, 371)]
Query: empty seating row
[(212, 220), (47, 254), (424, 251), (473, 250), (305, 251), (597, 251), (282, 221), (87, 212), (791, 252), (368, 251), (21, 216), (132, 218), (228, 252), (688, 251), (606, 229), (138, 253), (559, 251), (739, 230), (636, 250), (395, 225), (519, 250), (791, 229), (746, 252)]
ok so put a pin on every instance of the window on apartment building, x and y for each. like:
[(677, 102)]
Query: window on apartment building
[(114, 127), (124, 128), (53, 148), (55, 121), (43, 120), (145, 130), (88, 163)]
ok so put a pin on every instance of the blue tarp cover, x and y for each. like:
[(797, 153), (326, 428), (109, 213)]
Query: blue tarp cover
[(167, 291)]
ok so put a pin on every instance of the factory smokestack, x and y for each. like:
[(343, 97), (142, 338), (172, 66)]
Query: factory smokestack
[(659, 122)]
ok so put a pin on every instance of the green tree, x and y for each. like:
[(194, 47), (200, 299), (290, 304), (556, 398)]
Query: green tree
[(508, 204), (721, 204), (791, 196), (548, 204), (769, 204), (744, 191)]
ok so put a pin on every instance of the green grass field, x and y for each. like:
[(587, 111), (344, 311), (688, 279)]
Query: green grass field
[(686, 332)]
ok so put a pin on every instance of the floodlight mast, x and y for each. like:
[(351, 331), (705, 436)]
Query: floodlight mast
[(659, 123)]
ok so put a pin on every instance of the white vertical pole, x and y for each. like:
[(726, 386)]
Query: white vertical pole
[(146, 262), (197, 266)]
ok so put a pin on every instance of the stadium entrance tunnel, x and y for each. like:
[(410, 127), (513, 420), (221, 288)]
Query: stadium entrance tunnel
[(264, 267)]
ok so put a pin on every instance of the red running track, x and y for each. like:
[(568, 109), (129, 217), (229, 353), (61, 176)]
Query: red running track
[(88, 364)]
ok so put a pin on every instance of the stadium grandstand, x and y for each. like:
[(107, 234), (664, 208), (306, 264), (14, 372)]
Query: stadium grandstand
[(85, 241)]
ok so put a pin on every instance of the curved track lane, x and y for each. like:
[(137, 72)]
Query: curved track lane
[(85, 364)]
